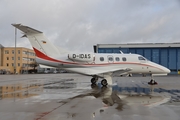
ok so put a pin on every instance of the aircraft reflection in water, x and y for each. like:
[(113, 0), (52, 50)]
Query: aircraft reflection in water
[(20, 90), (112, 95), (113, 99)]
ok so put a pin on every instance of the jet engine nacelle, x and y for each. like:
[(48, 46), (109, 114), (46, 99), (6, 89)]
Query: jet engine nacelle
[(82, 57)]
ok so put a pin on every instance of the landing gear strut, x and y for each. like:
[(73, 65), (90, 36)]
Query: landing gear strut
[(152, 82)]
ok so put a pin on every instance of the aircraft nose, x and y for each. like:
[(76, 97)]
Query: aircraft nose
[(167, 70), (162, 69)]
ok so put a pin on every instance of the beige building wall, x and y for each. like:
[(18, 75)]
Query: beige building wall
[(24, 57), (1, 55)]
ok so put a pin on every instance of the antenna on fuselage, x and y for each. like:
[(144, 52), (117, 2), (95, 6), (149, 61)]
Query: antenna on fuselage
[(121, 52)]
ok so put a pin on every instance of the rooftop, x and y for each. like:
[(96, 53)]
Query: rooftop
[(138, 45)]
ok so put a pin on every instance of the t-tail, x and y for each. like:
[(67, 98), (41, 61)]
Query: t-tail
[(39, 42)]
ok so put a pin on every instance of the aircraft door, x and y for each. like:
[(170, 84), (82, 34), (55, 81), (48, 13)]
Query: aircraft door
[(110, 58)]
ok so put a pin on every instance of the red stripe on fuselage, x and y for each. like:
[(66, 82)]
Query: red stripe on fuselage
[(45, 57)]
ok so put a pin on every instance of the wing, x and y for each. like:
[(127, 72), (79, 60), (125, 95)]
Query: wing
[(108, 73), (111, 72)]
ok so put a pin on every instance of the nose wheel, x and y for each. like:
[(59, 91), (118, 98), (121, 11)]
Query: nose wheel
[(152, 82)]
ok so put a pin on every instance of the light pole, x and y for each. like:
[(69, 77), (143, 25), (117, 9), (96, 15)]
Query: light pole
[(15, 52), (27, 61)]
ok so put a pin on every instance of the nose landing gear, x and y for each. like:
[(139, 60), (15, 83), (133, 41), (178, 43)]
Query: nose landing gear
[(152, 82)]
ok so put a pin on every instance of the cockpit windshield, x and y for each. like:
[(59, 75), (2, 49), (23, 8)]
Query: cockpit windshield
[(142, 58)]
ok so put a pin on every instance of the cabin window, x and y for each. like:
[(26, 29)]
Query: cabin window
[(124, 59), (117, 59), (101, 58), (141, 58), (110, 59)]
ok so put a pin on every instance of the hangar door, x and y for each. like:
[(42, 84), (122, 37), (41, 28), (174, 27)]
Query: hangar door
[(172, 59)]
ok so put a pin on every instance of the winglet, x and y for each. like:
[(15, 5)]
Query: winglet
[(26, 29)]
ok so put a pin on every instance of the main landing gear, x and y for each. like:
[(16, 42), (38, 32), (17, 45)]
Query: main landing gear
[(152, 81), (94, 80), (103, 82)]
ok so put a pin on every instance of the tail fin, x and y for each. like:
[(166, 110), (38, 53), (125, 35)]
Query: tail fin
[(39, 42)]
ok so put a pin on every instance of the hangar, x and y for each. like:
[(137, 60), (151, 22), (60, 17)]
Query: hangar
[(166, 54)]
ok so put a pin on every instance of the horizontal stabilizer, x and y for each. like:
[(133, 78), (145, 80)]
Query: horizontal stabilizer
[(26, 29)]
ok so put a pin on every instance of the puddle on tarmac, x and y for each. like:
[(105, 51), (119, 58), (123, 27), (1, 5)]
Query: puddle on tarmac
[(31, 88)]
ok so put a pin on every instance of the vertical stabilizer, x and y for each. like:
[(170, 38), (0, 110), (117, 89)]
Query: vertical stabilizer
[(39, 42)]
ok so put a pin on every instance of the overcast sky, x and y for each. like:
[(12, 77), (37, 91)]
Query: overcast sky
[(77, 25)]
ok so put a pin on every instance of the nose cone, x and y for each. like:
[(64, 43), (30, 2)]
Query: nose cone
[(164, 69), (167, 70), (161, 69)]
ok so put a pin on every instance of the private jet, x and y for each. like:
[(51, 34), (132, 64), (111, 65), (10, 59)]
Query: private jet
[(97, 65)]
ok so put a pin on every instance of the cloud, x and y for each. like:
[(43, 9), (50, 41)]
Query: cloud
[(78, 25)]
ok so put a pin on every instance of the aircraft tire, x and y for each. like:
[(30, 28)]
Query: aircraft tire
[(104, 82), (152, 82), (93, 80)]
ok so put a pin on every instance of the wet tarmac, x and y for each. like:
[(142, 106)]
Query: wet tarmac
[(72, 97)]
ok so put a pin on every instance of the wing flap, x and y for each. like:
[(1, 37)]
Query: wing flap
[(112, 72)]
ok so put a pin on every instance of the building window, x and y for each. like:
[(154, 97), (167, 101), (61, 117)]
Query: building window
[(19, 52), (12, 51), (7, 64), (31, 54), (24, 52), (108, 51), (124, 59), (117, 59), (18, 58), (7, 58), (12, 64), (101, 58), (18, 64), (12, 58), (100, 51), (24, 65), (6, 51), (26, 59)]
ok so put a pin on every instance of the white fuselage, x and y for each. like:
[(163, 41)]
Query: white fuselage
[(99, 62)]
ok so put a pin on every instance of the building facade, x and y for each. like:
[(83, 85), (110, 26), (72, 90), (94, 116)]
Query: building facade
[(1, 53), (20, 60), (166, 54)]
